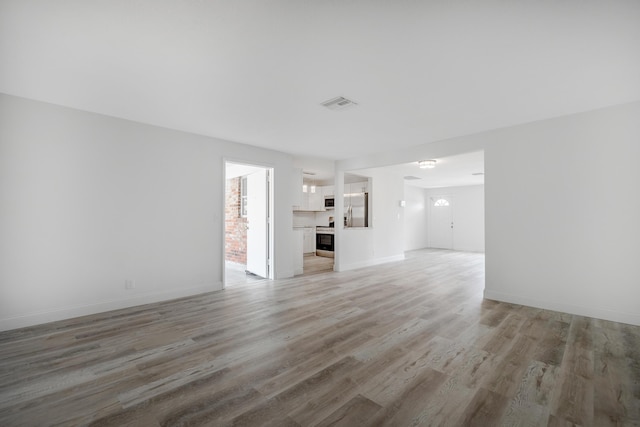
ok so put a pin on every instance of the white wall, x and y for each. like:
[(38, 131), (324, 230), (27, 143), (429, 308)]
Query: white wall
[(562, 207), (383, 240), (468, 215), (563, 214), (89, 201), (415, 218)]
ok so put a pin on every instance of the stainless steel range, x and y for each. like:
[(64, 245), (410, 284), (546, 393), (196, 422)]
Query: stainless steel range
[(325, 241)]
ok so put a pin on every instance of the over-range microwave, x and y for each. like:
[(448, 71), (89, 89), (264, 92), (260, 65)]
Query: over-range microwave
[(329, 202)]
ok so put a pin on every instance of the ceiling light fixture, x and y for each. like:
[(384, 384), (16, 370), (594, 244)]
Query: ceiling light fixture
[(427, 164)]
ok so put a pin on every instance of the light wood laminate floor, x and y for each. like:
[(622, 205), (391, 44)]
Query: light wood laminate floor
[(405, 343), (314, 264)]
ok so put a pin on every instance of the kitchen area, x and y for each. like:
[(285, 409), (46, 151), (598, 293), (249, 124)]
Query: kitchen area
[(314, 218)]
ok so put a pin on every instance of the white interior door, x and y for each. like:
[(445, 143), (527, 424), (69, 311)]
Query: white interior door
[(441, 222), (257, 223)]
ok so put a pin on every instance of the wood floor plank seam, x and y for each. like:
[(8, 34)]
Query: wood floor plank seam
[(405, 343)]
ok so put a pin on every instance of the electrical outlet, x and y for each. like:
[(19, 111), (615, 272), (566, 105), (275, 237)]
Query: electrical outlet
[(129, 284)]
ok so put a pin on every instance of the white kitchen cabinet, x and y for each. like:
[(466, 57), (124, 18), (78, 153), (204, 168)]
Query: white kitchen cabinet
[(296, 190), (298, 251), (306, 201), (315, 200), (309, 240), (356, 188), (359, 187)]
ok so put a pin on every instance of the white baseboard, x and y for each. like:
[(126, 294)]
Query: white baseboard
[(64, 313), (476, 250), (598, 313), (371, 262), (464, 249)]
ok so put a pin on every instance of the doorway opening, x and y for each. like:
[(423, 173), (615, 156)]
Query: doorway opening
[(248, 228), (445, 204)]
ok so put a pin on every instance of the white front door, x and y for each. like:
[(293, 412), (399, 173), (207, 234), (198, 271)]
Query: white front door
[(257, 223), (441, 222)]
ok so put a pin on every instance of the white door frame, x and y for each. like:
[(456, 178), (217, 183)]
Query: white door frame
[(257, 226), (270, 210)]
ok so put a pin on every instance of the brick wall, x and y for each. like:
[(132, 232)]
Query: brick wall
[(235, 225)]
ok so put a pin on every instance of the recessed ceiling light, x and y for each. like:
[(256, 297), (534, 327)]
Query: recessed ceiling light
[(427, 164), (411, 178)]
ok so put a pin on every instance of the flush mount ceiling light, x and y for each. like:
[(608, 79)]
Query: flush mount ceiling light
[(427, 164)]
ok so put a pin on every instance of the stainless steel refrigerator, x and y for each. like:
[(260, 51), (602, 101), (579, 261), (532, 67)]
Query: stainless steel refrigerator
[(356, 210)]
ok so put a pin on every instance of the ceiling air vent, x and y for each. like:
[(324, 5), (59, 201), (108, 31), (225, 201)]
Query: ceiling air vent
[(478, 174), (339, 103), (411, 178)]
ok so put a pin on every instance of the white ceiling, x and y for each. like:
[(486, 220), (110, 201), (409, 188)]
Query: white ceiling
[(255, 72), (452, 171)]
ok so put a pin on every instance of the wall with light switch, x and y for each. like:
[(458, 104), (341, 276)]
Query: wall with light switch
[(415, 218), (98, 213), (562, 209), (382, 241)]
